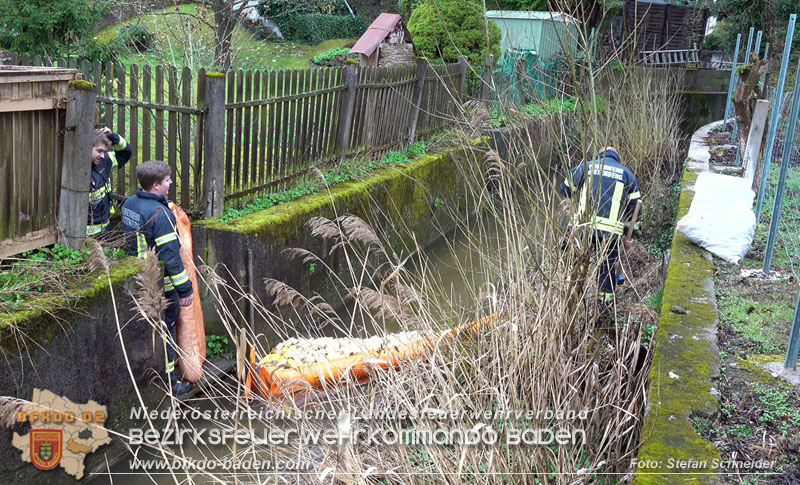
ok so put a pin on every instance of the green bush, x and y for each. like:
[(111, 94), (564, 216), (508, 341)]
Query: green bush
[(446, 29), (331, 56), (94, 50), (134, 37), (314, 28)]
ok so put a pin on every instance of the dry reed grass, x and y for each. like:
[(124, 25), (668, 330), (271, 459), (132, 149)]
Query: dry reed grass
[(552, 349)]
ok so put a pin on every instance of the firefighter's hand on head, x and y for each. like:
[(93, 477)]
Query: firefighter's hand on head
[(113, 137)]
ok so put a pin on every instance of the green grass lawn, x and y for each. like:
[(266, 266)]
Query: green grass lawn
[(184, 37)]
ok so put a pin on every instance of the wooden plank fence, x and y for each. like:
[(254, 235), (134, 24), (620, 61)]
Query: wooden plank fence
[(278, 124), (32, 119)]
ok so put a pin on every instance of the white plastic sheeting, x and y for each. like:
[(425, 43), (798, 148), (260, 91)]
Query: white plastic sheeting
[(721, 218)]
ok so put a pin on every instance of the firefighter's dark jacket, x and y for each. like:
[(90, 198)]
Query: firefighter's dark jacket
[(100, 188), (608, 193), (149, 223)]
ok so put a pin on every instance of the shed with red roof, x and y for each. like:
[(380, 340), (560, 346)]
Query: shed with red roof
[(386, 42)]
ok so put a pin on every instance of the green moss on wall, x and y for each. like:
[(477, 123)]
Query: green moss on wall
[(86, 294), (685, 362), (399, 191)]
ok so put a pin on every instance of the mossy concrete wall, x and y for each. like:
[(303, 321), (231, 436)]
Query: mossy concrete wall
[(686, 359), (408, 206), (76, 353)]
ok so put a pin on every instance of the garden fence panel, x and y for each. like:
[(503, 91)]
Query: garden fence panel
[(279, 124)]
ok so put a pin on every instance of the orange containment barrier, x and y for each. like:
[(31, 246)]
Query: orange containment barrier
[(191, 328), (275, 375)]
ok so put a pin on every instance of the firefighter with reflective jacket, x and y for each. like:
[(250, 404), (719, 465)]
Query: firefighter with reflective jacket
[(149, 223), (103, 161), (607, 194)]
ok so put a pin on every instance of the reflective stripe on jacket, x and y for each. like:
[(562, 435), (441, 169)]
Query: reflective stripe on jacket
[(148, 223), (606, 188), (100, 186)]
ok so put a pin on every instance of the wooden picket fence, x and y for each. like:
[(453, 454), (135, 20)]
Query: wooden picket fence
[(278, 124)]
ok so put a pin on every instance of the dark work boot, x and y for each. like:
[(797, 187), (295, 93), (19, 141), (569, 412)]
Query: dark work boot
[(178, 386)]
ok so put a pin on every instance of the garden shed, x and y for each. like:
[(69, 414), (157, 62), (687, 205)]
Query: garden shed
[(386, 42), (544, 33)]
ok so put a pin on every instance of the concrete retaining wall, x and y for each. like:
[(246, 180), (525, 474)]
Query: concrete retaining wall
[(686, 360), (410, 206), (77, 354)]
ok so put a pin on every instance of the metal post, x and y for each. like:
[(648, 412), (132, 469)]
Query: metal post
[(794, 339), (735, 134), (732, 81), (776, 116), (762, 83), (757, 48), (787, 155)]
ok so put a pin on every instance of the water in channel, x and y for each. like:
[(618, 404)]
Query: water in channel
[(456, 266)]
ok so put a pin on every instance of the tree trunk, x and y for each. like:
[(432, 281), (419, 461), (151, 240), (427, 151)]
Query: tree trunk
[(746, 96), (225, 19)]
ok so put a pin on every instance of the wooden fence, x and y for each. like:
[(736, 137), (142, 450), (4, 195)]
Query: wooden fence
[(32, 108), (278, 124)]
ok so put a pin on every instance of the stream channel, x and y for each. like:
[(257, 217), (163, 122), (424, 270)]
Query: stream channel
[(453, 261)]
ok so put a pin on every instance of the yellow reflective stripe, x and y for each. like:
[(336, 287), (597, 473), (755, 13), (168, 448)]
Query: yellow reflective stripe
[(98, 194), (141, 246), (616, 200), (166, 238), (170, 367), (569, 183), (607, 225), (576, 217), (605, 296), (180, 278), (113, 157), (168, 284), (123, 144), (635, 195), (93, 229)]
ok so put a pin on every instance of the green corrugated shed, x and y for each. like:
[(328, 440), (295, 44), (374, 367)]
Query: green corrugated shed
[(546, 33)]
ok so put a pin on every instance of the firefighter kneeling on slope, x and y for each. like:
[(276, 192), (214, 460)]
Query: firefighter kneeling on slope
[(608, 192), (149, 223)]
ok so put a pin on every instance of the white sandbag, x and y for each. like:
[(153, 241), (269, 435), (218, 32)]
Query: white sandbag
[(721, 218)]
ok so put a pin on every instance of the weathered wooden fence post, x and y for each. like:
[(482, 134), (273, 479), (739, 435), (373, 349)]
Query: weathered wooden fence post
[(752, 162), (347, 109), (73, 209), (486, 78), (416, 100), (463, 66), (523, 82), (214, 145)]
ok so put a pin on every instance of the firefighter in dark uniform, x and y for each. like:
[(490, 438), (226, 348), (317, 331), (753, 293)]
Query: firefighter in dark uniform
[(103, 161), (608, 191), (149, 223)]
